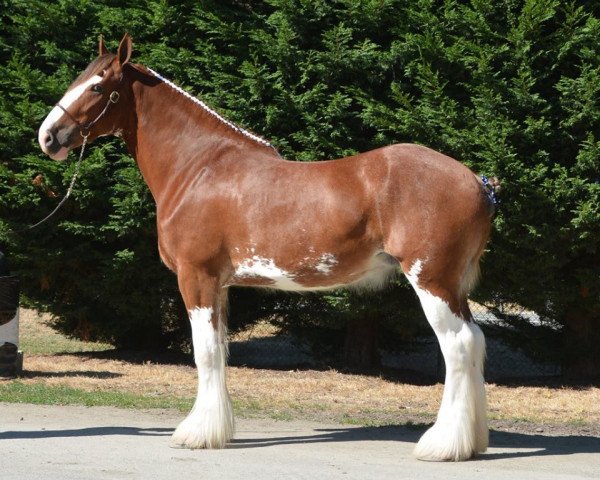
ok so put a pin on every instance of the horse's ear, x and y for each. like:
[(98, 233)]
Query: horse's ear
[(102, 50), (124, 52)]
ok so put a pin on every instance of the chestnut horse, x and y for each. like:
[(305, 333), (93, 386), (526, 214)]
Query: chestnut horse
[(231, 211)]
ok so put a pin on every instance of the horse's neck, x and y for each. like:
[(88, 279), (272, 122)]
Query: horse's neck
[(173, 138)]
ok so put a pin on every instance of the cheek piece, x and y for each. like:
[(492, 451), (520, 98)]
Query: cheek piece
[(85, 127)]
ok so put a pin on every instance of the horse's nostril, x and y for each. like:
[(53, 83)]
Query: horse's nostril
[(49, 140)]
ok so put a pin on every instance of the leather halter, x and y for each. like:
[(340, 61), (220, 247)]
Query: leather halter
[(85, 127), (84, 130)]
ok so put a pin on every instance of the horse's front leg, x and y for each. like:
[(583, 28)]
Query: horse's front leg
[(210, 424)]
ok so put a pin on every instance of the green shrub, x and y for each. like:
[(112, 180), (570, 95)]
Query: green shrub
[(509, 87)]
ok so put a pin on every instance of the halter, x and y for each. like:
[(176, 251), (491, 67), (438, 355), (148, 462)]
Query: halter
[(84, 128), (84, 131)]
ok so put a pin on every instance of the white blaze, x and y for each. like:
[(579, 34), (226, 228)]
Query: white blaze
[(56, 113)]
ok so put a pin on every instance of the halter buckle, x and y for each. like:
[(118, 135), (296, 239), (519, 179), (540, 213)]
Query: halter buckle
[(114, 97)]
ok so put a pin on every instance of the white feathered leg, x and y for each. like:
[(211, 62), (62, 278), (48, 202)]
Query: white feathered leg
[(210, 424), (460, 430)]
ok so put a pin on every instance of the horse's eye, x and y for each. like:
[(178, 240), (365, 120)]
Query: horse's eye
[(97, 88)]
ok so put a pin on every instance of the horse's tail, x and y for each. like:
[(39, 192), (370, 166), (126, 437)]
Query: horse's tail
[(492, 188)]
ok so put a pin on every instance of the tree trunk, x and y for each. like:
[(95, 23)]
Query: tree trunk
[(582, 338), (361, 345)]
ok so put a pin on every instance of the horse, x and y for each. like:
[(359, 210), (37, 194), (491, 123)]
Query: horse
[(230, 211)]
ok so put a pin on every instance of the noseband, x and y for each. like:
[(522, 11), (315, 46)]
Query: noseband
[(85, 127)]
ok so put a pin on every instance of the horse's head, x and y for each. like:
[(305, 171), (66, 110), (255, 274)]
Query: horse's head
[(88, 106)]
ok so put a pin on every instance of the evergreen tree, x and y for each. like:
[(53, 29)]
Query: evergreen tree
[(509, 87)]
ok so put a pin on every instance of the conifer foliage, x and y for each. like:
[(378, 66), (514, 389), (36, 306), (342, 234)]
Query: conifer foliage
[(510, 87)]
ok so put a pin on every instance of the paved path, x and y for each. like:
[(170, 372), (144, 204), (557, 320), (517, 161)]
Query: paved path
[(68, 443)]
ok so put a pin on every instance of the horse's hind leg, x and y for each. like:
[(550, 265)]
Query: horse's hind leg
[(460, 430), (210, 424)]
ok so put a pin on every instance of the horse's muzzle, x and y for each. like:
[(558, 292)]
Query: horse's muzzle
[(54, 142)]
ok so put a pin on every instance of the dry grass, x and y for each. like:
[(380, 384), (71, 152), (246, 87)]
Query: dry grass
[(312, 394), (37, 338)]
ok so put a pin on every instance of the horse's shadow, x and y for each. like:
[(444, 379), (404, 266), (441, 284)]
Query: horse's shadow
[(84, 432), (519, 445), (514, 445), (511, 445)]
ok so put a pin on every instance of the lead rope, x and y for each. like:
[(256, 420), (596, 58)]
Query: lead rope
[(69, 190)]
